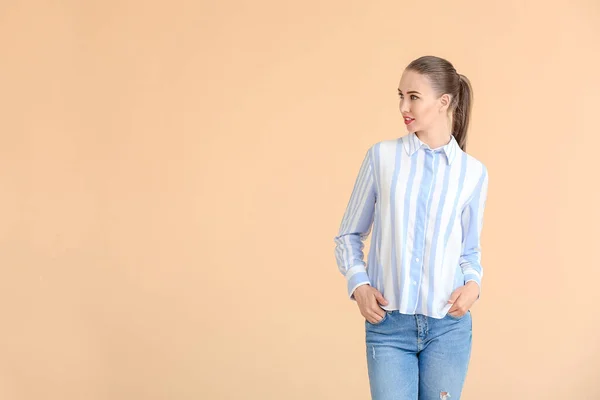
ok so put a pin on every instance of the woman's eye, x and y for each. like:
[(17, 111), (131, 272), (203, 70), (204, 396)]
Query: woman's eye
[(412, 96)]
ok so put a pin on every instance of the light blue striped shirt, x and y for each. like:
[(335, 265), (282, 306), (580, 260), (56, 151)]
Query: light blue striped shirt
[(425, 209)]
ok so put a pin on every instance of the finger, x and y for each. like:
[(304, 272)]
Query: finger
[(453, 302), (378, 312), (455, 295), (376, 318), (455, 313), (457, 308), (381, 299)]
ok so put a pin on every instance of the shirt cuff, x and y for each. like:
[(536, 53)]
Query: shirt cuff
[(356, 276)]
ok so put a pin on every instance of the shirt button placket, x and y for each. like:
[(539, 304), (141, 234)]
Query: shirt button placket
[(421, 223)]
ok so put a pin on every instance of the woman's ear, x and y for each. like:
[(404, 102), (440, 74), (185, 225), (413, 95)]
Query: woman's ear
[(444, 100)]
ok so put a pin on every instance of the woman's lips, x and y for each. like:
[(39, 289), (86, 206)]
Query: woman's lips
[(408, 121)]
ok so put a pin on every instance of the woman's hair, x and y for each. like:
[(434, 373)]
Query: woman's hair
[(445, 79)]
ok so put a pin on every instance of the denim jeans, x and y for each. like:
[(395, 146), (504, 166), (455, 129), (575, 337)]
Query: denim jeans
[(416, 357)]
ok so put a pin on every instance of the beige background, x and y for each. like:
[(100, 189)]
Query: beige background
[(173, 174)]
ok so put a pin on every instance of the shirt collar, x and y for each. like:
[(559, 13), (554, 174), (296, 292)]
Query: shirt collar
[(412, 143)]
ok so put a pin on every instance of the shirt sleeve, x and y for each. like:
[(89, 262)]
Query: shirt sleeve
[(356, 226), (472, 224)]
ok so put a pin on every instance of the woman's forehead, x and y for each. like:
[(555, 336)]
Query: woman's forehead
[(413, 81)]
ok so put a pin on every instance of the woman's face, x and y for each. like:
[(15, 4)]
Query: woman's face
[(421, 109)]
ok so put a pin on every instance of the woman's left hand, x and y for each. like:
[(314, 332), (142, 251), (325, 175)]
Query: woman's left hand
[(463, 298)]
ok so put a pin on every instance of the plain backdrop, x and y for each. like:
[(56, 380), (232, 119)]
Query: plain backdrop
[(172, 176)]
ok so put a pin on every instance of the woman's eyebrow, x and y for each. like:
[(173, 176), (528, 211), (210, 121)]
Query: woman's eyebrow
[(409, 92)]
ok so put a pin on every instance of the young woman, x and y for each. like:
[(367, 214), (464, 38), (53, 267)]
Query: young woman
[(423, 198)]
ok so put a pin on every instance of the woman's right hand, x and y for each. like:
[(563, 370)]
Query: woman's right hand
[(368, 299)]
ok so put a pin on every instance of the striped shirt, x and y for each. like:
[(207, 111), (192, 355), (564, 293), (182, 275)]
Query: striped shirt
[(425, 209)]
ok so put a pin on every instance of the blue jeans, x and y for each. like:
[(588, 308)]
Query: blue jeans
[(416, 357)]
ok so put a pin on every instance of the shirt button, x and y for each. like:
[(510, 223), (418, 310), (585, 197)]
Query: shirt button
[(416, 259), (414, 282)]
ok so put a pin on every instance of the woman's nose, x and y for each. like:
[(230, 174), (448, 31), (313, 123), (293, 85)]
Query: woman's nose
[(403, 107)]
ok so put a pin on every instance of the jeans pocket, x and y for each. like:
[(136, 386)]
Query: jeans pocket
[(385, 316), (458, 318)]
